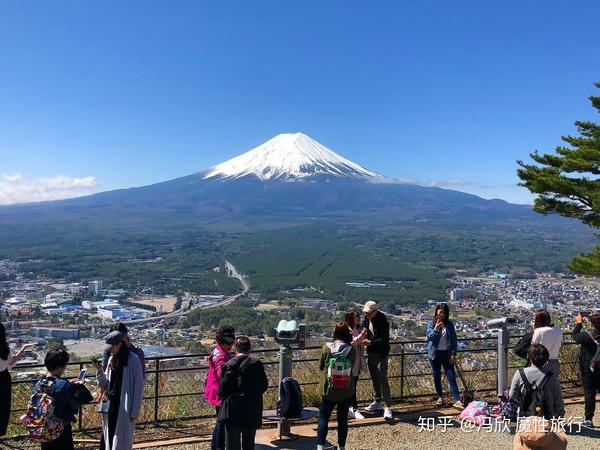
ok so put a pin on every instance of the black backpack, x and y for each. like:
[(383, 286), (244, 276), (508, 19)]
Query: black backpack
[(533, 402), (289, 404)]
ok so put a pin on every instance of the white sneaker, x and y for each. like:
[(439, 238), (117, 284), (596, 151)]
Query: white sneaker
[(387, 413), (459, 405), (587, 423), (357, 415), (375, 406)]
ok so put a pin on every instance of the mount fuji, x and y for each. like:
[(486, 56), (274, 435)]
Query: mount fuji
[(290, 176), (288, 157)]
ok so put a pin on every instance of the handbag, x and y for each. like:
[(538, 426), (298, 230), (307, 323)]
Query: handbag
[(104, 405), (82, 394)]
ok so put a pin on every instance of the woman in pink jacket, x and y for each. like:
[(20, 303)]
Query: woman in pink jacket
[(217, 359)]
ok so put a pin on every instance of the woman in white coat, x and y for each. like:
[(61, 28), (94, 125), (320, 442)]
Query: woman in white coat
[(123, 386), (548, 336)]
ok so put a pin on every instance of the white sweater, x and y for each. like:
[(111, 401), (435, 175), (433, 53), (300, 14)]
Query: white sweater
[(549, 337)]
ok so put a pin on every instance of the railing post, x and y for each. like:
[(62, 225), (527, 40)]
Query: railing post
[(80, 418), (156, 389), (402, 371)]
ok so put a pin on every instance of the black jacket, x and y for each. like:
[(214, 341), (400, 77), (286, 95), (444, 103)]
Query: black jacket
[(380, 337), (245, 383), (588, 349)]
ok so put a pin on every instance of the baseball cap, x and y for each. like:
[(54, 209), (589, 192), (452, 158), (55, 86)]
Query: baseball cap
[(113, 338), (370, 306)]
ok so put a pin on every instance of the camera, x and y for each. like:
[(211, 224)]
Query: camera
[(289, 332), (500, 322)]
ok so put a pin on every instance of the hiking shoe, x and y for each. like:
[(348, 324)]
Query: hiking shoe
[(439, 402), (458, 405), (375, 406), (357, 415), (387, 413)]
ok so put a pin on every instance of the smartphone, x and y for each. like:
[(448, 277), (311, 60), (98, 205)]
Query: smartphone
[(81, 376)]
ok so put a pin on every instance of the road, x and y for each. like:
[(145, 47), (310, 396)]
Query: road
[(231, 272)]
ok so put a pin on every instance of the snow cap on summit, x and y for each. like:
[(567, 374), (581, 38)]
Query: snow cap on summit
[(287, 156)]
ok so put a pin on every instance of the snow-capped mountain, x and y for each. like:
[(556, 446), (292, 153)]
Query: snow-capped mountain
[(290, 176), (289, 156)]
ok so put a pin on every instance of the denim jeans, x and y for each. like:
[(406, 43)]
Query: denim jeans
[(442, 360), (325, 410), (218, 436)]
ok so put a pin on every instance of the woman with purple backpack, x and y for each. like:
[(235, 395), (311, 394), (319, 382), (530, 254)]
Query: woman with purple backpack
[(220, 355)]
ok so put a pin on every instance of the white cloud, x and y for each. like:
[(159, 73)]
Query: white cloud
[(452, 182), (15, 188), (408, 180)]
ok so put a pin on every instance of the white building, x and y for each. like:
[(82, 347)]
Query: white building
[(86, 304), (17, 300)]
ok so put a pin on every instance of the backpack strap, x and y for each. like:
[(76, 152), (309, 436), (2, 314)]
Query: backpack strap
[(526, 382), (545, 380)]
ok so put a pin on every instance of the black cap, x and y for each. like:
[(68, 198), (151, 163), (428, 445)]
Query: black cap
[(113, 338), (226, 335)]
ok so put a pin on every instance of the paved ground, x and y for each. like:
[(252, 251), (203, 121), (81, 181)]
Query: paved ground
[(406, 434)]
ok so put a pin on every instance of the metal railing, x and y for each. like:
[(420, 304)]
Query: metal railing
[(174, 385)]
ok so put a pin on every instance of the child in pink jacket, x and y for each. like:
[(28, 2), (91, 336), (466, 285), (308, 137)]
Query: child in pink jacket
[(217, 359)]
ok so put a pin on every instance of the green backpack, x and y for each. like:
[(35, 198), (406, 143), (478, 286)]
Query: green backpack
[(339, 370)]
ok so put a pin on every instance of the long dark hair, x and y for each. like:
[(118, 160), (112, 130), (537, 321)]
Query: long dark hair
[(443, 306), (349, 316), (342, 333), (120, 359), (4, 348), (542, 319)]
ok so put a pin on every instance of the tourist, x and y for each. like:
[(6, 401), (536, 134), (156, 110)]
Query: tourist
[(7, 361), (590, 378), (548, 336), (123, 386), (120, 326), (359, 341), (536, 431), (242, 385), (338, 353), (63, 394), (378, 350), (220, 355), (441, 350), (535, 374)]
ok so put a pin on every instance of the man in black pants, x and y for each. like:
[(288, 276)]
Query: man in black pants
[(378, 351), (242, 385), (590, 379)]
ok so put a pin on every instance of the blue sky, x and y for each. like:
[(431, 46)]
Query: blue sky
[(103, 95)]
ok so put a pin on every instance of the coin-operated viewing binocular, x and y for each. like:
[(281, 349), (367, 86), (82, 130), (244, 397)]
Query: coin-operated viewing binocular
[(290, 332)]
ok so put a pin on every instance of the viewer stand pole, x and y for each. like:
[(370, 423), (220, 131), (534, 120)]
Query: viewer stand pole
[(285, 370), (502, 359), (502, 353)]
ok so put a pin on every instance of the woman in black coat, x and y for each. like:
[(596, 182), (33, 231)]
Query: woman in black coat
[(242, 385), (7, 361)]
